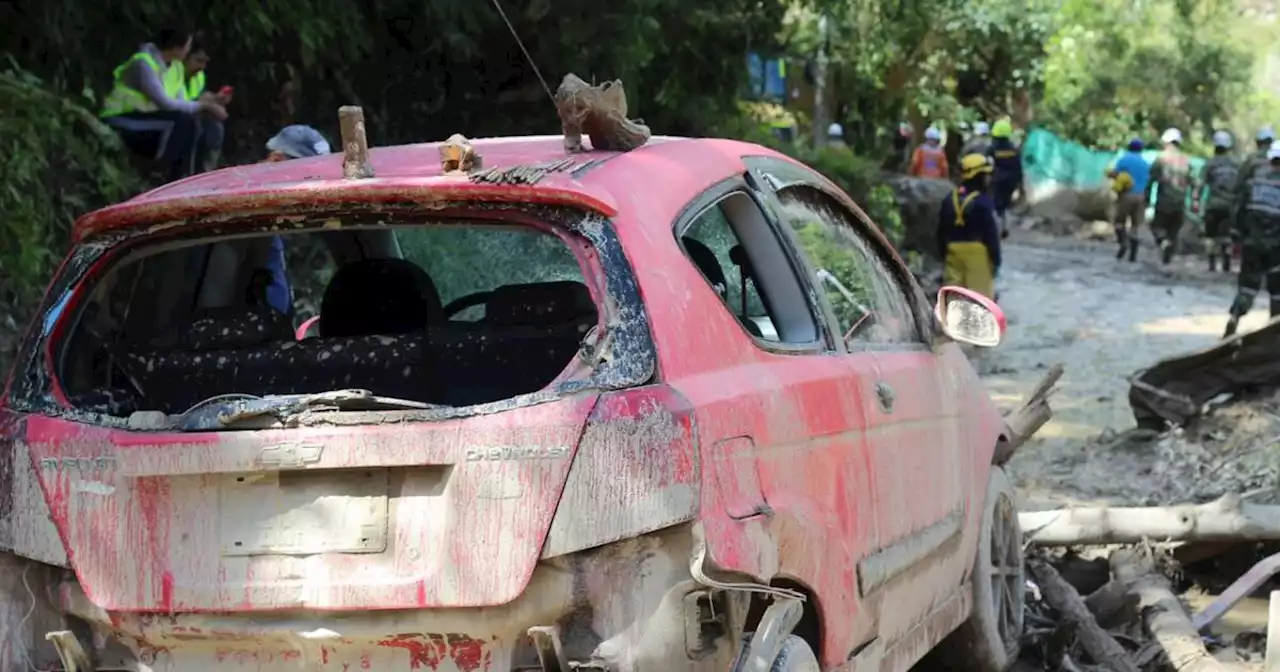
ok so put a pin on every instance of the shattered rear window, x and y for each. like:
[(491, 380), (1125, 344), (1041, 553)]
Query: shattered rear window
[(450, 314)]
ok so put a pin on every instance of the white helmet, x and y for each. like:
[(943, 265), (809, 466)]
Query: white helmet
[(1265, 134), (835, 131), (1171, 135), (1222, 139), (982, 128), (932, 133), (1273, 153)]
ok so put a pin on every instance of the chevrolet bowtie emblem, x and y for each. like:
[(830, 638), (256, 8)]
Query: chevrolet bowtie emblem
[(286, 455)]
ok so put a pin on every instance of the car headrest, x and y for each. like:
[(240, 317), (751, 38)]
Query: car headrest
[(706, 261), (540, 304), (379, 296)]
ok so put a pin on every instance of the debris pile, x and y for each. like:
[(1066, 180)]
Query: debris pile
[(1121, 608)]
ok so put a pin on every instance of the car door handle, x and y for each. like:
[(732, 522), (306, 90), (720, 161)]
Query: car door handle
[(885, 396)]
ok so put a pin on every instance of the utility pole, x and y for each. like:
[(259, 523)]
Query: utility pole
[(820, 120)]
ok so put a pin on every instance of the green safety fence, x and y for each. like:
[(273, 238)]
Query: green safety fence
[(1050, 163)]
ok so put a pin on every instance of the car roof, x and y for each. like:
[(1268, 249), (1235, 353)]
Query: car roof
[(591, 179)]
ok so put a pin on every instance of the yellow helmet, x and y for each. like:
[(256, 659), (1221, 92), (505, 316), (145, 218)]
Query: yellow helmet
[(972, 165), (1002, 128)]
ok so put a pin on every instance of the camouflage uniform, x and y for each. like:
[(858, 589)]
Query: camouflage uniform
[(1219, 176), (1171, 173), (1258, 218)]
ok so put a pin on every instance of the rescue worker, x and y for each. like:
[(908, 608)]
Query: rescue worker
[(185, 80), (1258, 219), (835, 137), (1130, 176), (1263, 141), (980, 142), (968, 234), (1171, 176), (269, 283), (1219, 176), (929, 160), (1006, 159), (150, 122)]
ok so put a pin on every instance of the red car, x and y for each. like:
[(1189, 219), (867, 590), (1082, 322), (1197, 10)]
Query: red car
[(678, 408)]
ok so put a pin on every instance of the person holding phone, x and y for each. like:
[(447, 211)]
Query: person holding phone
[(185, 80), (152, 122)]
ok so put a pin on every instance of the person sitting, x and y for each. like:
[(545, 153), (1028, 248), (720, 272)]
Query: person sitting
[(968, 233), (185, 80), (152, 123)]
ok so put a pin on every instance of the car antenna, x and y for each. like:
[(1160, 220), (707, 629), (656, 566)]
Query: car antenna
[(520, 43), (600, 112)]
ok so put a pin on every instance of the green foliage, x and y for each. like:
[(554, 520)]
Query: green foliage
[(59, 162), (1183, 69)]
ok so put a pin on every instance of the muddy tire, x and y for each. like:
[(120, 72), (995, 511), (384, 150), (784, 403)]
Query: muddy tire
[(795, 656), (988, 641)]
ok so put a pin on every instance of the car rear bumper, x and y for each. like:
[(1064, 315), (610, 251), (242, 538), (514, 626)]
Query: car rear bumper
[(623, 606)]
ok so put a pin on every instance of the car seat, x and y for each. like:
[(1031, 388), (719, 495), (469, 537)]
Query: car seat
[(379, 296), (705, 260)]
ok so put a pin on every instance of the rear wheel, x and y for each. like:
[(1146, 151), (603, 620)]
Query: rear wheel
[(988, 641), (795, 656)]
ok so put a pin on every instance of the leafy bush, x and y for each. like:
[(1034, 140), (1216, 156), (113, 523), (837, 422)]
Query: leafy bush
[(59, 162)]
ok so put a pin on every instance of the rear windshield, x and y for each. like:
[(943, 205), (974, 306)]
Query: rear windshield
[(446, 313)]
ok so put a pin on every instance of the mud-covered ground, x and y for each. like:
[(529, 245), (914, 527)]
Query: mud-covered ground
[(1070, 301)]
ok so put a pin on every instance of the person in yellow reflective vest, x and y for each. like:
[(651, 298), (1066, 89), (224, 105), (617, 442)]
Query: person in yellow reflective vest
[(185, 79), (151, 122), (968, 231)]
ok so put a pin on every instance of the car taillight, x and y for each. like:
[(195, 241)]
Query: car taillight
[(635, 471)]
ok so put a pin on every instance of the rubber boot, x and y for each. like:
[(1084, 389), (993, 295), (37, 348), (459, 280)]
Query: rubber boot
[(1121, 238), (1232, 325), (1213, 262), (1133, 250), (1166, 252), (1226, 259)]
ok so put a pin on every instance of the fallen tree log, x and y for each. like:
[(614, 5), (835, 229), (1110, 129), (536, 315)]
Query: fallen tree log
[(1175, 390), (1023, 423), (1112, 604), (1162, 614), (1101, 646), (1226, 519)]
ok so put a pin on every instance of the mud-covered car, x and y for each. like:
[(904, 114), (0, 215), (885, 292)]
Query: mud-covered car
[(677, 408)]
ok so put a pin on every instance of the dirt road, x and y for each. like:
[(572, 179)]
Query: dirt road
[(1072, 302)]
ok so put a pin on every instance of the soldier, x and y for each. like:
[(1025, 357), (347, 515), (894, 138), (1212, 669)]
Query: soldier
[(1219, 175), (1258, 216), (1171, 174), (1264, 138)]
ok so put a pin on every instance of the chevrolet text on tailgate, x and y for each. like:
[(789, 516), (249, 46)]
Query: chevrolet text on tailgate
[(542, 403)]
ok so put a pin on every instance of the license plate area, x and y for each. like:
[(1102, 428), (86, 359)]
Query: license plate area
[(304, 512)]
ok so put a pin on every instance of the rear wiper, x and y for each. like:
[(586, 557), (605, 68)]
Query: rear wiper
[(248, 412)]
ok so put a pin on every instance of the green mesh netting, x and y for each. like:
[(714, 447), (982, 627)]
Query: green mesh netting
[(1050, 163)]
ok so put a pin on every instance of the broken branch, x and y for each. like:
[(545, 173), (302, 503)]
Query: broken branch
[(1021, 424), (1226, 519), (1100, 645), (1162, 614), (1111, 604)]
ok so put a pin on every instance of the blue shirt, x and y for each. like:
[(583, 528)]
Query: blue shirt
[(1138, 169), (279, 295)]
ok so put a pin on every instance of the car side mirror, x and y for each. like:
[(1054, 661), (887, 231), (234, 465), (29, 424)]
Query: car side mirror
[(306, 328), (969, 317)]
